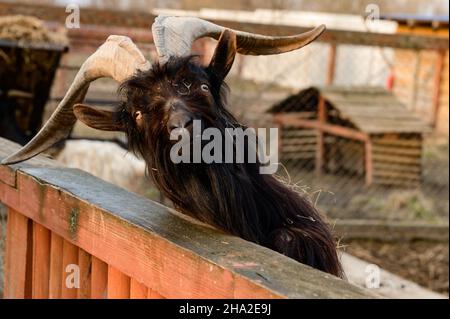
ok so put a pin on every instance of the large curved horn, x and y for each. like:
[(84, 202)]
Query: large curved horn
[(173, 36), (117, 58)]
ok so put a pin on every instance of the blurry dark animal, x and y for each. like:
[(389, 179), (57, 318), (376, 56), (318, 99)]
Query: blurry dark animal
[(173, 92)]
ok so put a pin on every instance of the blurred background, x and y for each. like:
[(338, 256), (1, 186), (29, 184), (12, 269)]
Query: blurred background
[(362, 112)]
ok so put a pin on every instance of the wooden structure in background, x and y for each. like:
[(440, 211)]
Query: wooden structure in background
[(96, 25), (26, 77), (423, 80), (129, 247), (357, 130)]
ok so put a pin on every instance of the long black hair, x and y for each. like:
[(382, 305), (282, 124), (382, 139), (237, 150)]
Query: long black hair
[(234, 197)]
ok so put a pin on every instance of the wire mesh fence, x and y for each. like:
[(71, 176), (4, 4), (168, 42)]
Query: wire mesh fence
[(410, 168), (408, 157)]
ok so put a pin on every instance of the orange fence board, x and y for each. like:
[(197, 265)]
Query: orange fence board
[(138, 290), (84, 262), (99, 279), (118, 284), (68, 283), (41, 261), (17, 282), (56, 268)]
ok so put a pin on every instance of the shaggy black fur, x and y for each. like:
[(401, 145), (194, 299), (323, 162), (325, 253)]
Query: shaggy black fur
[(233, 197)]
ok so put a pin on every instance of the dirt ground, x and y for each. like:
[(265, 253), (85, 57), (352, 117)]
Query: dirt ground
[(425, 263)]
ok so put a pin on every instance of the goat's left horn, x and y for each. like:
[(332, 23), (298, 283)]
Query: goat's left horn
[(173, 36), (118, 58)]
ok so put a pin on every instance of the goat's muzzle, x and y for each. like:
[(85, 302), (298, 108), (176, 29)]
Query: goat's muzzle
[(179, 116)]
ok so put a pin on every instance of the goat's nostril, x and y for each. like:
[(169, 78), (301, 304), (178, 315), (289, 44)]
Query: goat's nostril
[(179, 121)]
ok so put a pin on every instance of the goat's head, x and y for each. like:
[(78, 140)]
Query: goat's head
[(169, 96), (158, 97)]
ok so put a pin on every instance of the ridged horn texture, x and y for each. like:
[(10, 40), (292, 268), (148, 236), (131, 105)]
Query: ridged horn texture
[(118, 58), (173, 36)]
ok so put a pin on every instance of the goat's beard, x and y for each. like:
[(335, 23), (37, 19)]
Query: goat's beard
[(238, 199)]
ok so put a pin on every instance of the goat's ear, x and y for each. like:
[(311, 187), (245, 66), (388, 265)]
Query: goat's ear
[(100, 119), (223, 57)]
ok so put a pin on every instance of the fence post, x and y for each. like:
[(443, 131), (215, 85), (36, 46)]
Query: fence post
[(320, 153), (439, 67), (368, 161), (331, 67), (41, 261), (17, 256)]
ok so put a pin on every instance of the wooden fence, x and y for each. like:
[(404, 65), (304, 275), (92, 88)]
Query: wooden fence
[(62, 220)]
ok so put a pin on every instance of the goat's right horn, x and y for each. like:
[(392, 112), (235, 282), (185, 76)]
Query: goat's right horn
[(118, 58), (173, 36)]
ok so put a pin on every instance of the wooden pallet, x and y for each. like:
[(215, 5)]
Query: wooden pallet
[(397, 160), (298, 144)]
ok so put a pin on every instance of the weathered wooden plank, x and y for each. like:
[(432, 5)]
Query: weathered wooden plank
[(56, 268), (41, 262), (320, 153), (396, 182), (141, 19), (138, 290), (160, 248), (299, 141), (390, 230), (331, 64), (298, 156), (437, 87), (327, 128), (100, 234), (99, 279), (299, 148), (368, 162), (365, 109), (300, 133), (355, 101), (396, 159), (354, 90), (305, 114), (395, 150), (118, 284), (85, 263), (415, 125), (17, 257), (371, 128), (413, 168), (381, 116), (413, 143), (397, 175), (69, 284)]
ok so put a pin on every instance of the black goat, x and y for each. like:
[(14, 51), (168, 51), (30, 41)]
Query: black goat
[(234, 197)]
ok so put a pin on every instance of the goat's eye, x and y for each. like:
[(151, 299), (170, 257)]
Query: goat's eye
[(204, 87), (137, 115)]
